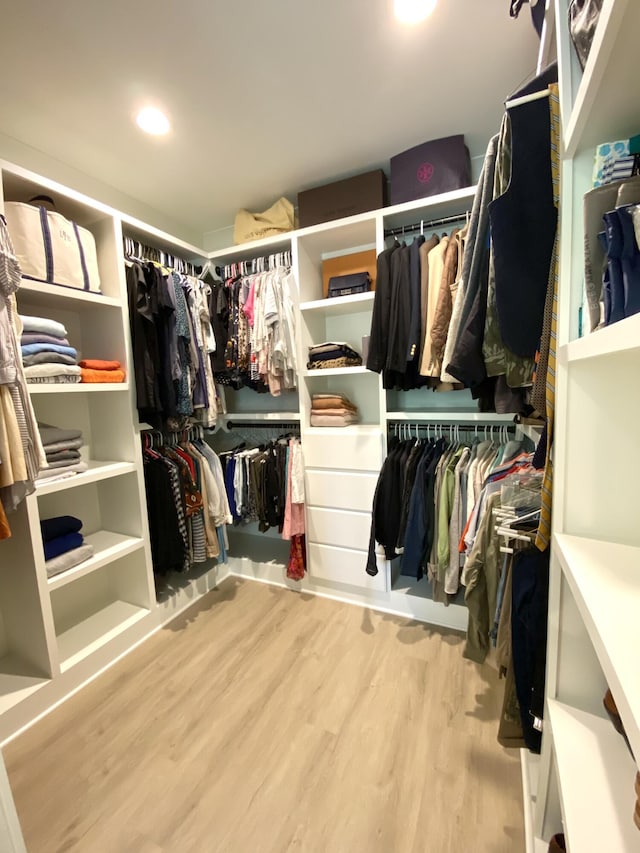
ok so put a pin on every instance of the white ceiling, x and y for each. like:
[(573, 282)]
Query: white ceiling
[(266, 97)]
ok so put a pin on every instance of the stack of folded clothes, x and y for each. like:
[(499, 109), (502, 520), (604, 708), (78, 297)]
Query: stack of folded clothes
[(46, 354), (332, 410), (96, 370), (64, 545), (331, 355), (62, 449)]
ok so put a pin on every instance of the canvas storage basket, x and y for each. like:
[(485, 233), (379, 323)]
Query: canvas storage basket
[(52, 249), (256, 226)]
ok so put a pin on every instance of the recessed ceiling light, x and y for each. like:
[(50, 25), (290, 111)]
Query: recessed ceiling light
[(153, 121), (413, 11)]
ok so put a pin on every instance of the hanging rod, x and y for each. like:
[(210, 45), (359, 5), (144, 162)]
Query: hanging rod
[(256, 265), (134, 250), (424, 224), (279, 426)]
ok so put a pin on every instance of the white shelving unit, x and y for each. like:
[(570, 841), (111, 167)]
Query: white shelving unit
[(586, 774)]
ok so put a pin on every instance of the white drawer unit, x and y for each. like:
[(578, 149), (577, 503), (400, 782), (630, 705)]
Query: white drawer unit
[(344, 566), (338, 527), (340, 489), (344, 449)]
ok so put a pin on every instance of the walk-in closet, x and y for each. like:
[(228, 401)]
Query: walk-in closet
[(319, 331)]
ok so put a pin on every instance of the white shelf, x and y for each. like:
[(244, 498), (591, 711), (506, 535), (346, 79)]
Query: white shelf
[(75, 388), (603, 578), (620, 337), (341, 305), (95, 631), (354, 429), (606, 106), (107, 547), (439, 416), (336, 371), (15, 686), (55, 295), (596, 775), (97, 471), (431, 207), (243, 417), (255, 249)]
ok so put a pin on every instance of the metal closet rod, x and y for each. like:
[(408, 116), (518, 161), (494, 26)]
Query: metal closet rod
[(437, 426), (137, 251), (275, 426), (423, 224), (252, 266)]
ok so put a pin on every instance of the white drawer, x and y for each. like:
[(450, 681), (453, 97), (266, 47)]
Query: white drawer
[(340, 489), (351, 451), (345, 567), (338, 527)]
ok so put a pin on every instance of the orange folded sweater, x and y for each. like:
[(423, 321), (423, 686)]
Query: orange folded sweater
[(98, 364), (101, 375)]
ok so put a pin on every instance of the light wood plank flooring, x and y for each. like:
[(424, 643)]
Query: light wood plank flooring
[(265, 721)]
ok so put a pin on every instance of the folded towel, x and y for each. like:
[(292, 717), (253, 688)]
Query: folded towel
[(62, 544), (102, 375), (43, 324), (51, 528), (98, 364), (322, 420), (32, 349), (67, 561), (49, 474), (332, 401), (40, 338), (328, 351), (38, 370), (62, 455), (52, 434), (47, 357)]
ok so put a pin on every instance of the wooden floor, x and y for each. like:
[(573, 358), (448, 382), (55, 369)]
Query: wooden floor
[(266, 721)]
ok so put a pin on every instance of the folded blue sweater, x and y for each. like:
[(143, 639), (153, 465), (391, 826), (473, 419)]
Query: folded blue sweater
[(32, 349), (62, 544)]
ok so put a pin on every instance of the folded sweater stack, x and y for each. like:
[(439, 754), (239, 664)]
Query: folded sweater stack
[(332, 410), (46, 354), (332, 355), (96, 370), (62, 449), (64, 545)]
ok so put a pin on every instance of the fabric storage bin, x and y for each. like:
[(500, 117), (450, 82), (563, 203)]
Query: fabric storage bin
[(438, 166), (51, 248), (342, 198)]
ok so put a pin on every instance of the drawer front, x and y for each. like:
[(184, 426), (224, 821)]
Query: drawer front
[(340, 489), (338, 527), (343, 566), (351, 451)]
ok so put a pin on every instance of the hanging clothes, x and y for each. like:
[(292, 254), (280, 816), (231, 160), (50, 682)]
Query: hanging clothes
[(173, 347)]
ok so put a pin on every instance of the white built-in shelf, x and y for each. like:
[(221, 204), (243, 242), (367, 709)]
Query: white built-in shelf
[(606, 106), (15, 685), (341, 305), (255, 249), (247, 417), (603, 579), (353, 429), (89, 635), (529, 765), (432, 207), (56, 295), (620, 337), (336, 371), (96, 471), (595, 775), (75, 387), (107, 547), (454, 417)]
